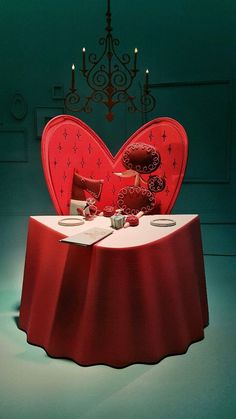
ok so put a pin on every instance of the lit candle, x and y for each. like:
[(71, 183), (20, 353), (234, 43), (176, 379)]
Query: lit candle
[(73, 78), (147, 74), (84, 66), (135, 57)]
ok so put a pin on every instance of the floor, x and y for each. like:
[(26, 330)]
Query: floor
[(198, 385)]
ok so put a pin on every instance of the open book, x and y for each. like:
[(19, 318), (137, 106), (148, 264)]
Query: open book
[(88, 237)]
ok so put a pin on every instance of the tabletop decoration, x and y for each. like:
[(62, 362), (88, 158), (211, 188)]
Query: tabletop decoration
[(90, 212), (77, 206), (132, 220), (117, 221), (108, 211), (87, 208)]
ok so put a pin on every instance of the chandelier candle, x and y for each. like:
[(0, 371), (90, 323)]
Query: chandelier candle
[(73, 78), (135, 58), (84, 65), (146, 79)]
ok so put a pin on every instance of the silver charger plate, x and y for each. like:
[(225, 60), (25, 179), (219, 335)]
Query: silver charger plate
[(163, 222), (70, 222)]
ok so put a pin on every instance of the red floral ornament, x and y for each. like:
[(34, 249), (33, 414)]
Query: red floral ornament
[(132, 199), (141, 157)]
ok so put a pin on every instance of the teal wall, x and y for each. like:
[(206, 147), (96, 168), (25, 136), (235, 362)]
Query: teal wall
[(189, 48)]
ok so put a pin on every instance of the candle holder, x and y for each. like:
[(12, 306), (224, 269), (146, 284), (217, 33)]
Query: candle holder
[(110, 78)]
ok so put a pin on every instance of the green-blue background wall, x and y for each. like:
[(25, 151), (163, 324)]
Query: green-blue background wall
[(189, 48)]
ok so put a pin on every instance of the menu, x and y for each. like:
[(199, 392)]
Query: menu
[(88, 237)]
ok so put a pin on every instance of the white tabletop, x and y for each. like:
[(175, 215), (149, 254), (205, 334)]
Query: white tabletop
[(144, 233)]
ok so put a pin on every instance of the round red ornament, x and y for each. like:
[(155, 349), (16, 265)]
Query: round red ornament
[(108, 211), (132, 199), (156, 183), (141, 157), (132, 220)]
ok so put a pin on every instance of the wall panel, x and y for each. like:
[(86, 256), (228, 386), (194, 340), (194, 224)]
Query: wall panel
[(204, 109), (13, 145)]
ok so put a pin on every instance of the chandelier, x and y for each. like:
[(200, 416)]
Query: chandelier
[(109, 78)]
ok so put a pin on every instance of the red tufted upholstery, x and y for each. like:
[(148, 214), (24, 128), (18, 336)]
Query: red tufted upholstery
[(69, 146)]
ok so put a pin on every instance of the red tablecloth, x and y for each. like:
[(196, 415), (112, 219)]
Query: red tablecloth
[(115, 305)]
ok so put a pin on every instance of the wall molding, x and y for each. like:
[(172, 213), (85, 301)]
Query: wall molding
[(58, 91), (19, 107)]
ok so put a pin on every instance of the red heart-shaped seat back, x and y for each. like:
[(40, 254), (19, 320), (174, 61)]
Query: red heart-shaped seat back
[(70, 146)]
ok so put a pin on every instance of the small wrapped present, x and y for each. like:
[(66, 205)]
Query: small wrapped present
[(117, 221)]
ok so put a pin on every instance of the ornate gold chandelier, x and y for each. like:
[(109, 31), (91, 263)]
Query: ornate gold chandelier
[(109, 78)]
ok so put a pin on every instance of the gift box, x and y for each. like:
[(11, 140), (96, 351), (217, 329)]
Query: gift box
[(117, 221)]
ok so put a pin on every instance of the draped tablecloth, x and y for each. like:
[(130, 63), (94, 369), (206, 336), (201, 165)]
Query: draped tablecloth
[(134, 297)]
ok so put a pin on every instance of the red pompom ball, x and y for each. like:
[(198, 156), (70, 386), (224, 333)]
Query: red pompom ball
[(108, 211), (132, 220)]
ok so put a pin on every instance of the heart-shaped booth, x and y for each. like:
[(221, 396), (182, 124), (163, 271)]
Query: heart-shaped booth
[(145, 174)]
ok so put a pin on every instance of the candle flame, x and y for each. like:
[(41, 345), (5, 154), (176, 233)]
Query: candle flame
[(83, 49), (136, 50), (73, 66), (147, 71)]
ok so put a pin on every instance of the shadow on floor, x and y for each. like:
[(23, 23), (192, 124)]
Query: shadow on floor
[(16, 320)]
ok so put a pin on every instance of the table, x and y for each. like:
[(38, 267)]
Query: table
[(135, 297)]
